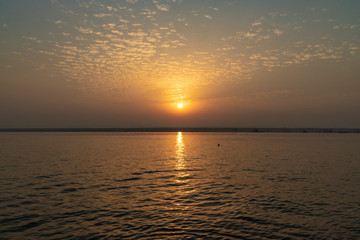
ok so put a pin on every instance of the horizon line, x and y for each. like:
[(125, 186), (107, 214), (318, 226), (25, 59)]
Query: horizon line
[(188, 129)]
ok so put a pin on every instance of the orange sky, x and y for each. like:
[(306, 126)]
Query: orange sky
[(130, 63)]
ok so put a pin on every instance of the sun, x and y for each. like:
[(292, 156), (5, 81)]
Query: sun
[(180, 105)]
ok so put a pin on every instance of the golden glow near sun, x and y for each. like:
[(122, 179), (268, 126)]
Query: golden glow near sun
[(181, 106)]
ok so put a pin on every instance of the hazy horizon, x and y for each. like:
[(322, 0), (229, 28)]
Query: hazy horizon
[(178, 63)]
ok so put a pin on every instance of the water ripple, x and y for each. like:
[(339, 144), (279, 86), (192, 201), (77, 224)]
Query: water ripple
[(197, 192)]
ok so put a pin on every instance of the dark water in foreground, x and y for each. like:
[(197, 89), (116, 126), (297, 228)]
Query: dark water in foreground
[(179, 186)]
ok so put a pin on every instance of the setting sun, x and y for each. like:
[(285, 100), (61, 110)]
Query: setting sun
[(180, 105)]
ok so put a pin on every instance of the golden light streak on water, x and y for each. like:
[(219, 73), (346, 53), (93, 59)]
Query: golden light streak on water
[(180, 160), (183, 178)]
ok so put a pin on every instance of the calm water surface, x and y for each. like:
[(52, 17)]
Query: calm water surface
[(179, 186)]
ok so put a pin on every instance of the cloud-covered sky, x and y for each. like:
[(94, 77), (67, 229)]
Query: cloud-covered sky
[(129, 63)]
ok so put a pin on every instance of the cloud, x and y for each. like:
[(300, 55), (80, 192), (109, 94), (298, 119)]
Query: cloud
[(32, 39), (258, 22), (278, 32), (84, 30), (163, 7), (128, 48), (59, 22), (132, 1), (250, 35), (110, 8), (101, 15)]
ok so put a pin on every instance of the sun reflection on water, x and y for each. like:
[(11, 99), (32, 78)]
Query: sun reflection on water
[(183, 177), (180, 163)]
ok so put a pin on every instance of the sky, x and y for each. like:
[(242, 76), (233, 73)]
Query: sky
[(179, 63)]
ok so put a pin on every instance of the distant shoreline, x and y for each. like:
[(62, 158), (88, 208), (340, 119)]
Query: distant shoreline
[(244, 130)]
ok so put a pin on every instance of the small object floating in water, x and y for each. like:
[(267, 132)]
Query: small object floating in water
[(218, 144)]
